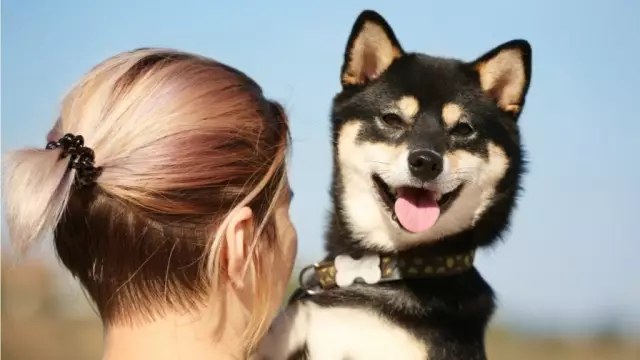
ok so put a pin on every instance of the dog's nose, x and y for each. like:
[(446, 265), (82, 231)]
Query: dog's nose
[(426, 165)]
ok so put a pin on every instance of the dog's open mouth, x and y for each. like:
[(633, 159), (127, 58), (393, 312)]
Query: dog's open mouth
[(415, 210)]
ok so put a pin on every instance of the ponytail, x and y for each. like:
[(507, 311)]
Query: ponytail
[(36, 188)]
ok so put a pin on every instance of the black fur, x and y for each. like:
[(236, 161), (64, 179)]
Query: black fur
[(434, 81), (449, 314), (301, 354)]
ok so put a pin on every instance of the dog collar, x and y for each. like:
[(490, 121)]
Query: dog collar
[(371, 269)]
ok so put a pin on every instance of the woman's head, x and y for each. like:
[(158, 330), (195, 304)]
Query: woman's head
[(192, 198)]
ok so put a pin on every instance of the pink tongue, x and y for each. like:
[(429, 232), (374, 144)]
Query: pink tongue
[(416, 209)]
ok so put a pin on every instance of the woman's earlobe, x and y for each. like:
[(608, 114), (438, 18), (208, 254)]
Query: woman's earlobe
[(236, 243)]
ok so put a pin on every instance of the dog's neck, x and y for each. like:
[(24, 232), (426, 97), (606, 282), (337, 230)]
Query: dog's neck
[(372, 268)]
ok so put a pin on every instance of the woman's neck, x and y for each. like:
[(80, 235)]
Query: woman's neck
[(170, 338)]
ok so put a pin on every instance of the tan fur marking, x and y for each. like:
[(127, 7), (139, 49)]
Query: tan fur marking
[(497, 163), (482, 176), (451, 114), (454, 159), (347, 147), (503, 78), (462, 166), (371, 54), (346, 139), (409, 106), (494, 170), (358, 160), (512, 108)]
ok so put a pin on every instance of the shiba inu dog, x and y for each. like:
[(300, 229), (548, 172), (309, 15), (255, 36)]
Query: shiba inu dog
[(427, 168)]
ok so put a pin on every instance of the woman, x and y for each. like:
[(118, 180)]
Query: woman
[(165, 186)]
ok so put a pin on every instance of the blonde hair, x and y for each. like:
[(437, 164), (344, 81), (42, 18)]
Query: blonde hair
[(182, 141)]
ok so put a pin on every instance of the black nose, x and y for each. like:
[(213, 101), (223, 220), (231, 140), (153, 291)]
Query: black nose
[(426, 165)]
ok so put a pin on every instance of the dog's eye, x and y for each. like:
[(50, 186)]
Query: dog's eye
[(462, 129), (393, 120)]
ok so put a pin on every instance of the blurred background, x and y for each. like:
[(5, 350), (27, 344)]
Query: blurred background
[(568, 274)]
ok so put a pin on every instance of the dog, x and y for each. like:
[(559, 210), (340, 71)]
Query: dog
[(427, 168)]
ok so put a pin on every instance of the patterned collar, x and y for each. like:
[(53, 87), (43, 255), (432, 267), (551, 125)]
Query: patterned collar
[(344, 270)]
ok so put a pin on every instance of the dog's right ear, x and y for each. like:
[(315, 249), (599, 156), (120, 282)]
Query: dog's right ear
[(371, 48)]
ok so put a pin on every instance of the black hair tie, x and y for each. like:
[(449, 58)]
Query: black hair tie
[(81, 157)]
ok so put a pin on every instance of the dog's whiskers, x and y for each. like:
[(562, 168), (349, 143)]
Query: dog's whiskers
[(378, 162)]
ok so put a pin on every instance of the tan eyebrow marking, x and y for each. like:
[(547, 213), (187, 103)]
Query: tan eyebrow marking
[(451, 114), (409, 107)]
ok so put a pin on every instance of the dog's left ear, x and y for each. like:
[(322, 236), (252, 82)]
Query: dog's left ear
[(505, 74), (371, 48)]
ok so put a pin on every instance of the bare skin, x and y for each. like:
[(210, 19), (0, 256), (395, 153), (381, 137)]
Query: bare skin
[(171, 337)]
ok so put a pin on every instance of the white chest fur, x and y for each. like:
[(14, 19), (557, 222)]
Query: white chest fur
[(332, 333)]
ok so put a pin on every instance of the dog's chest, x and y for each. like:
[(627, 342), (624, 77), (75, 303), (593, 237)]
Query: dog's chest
[(329, 333)]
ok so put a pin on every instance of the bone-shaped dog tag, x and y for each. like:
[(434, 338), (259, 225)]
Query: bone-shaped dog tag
[(349, 269)]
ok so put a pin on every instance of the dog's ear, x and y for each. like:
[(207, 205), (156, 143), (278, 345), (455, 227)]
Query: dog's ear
[(505, 74), (371, 48)]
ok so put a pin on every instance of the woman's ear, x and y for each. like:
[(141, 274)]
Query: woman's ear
[(236, 244)]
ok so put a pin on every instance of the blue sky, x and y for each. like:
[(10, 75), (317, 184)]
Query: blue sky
[(573, 256)]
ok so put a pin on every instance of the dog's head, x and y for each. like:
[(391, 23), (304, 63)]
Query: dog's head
[(425, 147)]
